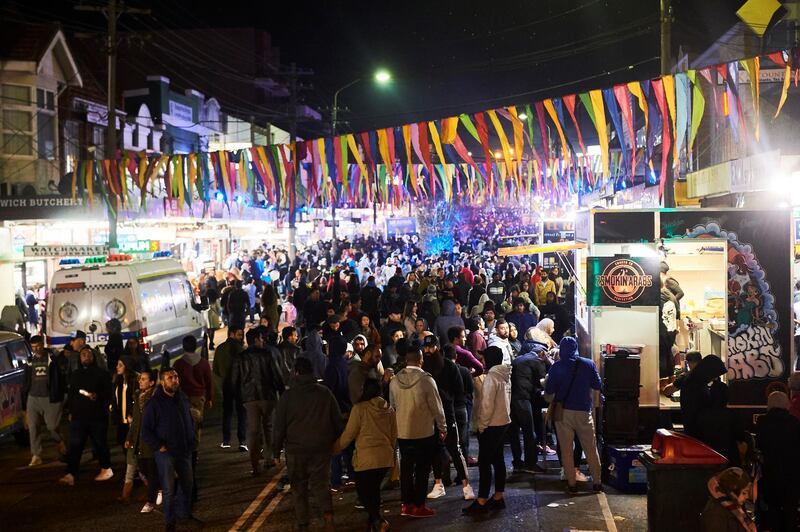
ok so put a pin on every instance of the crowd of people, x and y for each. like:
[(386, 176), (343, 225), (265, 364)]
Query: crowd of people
[(367, 363)]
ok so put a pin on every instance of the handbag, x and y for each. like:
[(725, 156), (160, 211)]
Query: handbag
[(555, 410)]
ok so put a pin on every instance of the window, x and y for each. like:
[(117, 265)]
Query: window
[(19, 354), (17, 144), (5, 361), (99, 142), (46, 135), (16, 95), (17, 120)]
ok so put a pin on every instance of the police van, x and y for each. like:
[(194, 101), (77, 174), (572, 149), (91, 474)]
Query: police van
[(151, 298), (14, 355)]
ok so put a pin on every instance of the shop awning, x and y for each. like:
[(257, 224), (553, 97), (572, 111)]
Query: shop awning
[(541, 248)]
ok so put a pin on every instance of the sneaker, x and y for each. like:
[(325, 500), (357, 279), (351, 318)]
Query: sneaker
[(104, 474), (475, 508), (147, 508), (224, 445), (407, 510), (35, 460), (472, 461), (159, 498), (67, 479), (572, 490), (580, 477), (243, 448), (437, 491), (469, 495), (423, 511), (550, 450), (359, 505)]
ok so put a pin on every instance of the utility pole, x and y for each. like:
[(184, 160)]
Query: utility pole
[(295, 165), (665, 16), (112, 13), (293, 74)]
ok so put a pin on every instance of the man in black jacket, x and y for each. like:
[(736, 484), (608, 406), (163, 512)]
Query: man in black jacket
[(778, 438), (527, 372), (462, 405), (43, 396), (451, 390), (168, 429), (238, 305), (256, 378), (289, 351), (307, 422), (88, 400)]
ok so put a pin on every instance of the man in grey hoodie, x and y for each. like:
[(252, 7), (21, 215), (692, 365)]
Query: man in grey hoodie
[(450, 317), (420, 416)]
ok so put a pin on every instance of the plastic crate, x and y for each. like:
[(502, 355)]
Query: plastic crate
[(626, 472)]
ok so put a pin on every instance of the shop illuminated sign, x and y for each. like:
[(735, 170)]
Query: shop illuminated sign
[(624, 281)]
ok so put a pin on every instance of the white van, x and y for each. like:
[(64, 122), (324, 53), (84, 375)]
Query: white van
[(152, 299)]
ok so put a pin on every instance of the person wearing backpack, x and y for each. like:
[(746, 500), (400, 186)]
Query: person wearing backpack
[(570, 382)]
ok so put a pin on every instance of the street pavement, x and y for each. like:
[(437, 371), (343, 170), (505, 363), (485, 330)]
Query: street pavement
[(31, 499), (231, 499)]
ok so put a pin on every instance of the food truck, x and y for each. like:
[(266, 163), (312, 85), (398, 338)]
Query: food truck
[(733, 268)]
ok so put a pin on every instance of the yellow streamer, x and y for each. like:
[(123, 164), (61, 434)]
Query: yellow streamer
[(669, 91), (503, 139), (636, 89), (551, 110), (787, 78), (436, 142), (516, 124), (596, 97), (449, 128), (753, 68)]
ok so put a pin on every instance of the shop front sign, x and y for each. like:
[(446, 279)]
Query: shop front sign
[(64, 251), (41, 207), (405, 225), (623, 281)]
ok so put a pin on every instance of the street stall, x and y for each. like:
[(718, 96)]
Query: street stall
[(662, 282)]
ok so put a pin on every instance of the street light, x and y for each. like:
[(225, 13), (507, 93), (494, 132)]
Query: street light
[(381, 77)]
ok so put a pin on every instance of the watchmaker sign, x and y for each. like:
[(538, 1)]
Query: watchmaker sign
[(623, 281)]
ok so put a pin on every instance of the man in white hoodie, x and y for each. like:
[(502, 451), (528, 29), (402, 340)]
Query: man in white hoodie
[(420, 420), (500, 339)]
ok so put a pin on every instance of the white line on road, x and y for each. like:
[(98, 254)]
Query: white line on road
[(257, 501), (609, 518)]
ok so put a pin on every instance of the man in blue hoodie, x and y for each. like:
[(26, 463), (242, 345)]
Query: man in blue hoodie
[(571, 381), (168, 429)]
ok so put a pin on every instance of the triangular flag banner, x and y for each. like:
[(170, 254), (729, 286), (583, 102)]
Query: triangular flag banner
[(599, 114), (757, 14)]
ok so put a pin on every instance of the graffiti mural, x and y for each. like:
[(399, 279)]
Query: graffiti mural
[(753, 352), (759, 288)]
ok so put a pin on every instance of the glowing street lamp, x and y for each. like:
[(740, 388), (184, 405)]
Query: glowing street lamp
[(383, 76)]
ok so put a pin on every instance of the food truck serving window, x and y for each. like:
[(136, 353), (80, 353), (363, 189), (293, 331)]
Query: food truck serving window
[(625, 227)]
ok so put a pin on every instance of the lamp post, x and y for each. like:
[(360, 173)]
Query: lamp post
[(382, 77)]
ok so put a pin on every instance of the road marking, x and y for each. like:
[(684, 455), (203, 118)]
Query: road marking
[(609, 518), (267, 511), (257, 501)]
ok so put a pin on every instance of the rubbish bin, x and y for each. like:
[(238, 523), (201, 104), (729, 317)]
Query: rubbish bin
[(678, 469)]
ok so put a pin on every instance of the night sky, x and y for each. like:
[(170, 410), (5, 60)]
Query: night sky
[(446, 56)]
